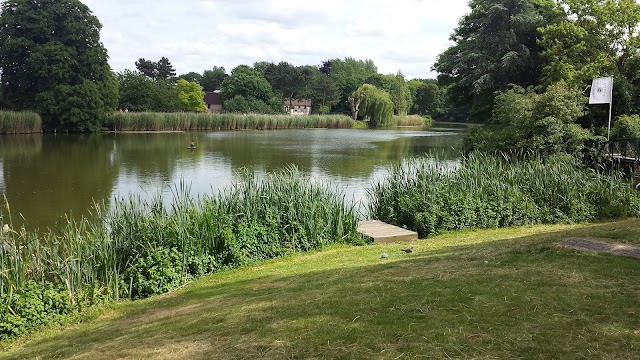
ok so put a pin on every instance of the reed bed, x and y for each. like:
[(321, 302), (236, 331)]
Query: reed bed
[(20, 122), (429, 196), (149, 121), (411, 120), (141, 248)]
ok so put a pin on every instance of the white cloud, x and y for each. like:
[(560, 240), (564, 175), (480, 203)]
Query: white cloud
[(198, 34)]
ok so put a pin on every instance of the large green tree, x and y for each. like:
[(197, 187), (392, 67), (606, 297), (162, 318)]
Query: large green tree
[(165, 70), (52, 61), (287, 80), (139, 93), (595, 39), (495, 45), (400, 94), (246, 82), (375, 105), (160, 70), (192, 77), (323, 90), (249, 84), (212, 79), (427, 97), (348, 74), (190, 96)]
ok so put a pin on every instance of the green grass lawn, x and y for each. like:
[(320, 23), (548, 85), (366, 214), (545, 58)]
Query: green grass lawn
[(491, 294)]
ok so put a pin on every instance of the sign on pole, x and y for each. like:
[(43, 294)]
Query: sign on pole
[(602, 93)]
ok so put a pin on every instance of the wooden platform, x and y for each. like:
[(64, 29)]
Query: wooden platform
[(383, 233)]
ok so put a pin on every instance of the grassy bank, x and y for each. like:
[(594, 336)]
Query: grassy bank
[(140, 249), (209, 122), (429, 196), (14, 122), (491, 294)]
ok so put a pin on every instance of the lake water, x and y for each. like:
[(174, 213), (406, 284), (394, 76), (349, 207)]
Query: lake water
[(47, 176)]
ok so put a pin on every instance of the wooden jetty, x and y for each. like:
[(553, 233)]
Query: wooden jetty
[(383, 233), (624, 151)]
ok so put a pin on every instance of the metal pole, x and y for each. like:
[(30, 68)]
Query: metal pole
[(609, 131), (610, 106)]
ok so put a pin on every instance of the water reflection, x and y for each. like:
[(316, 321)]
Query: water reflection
[(47, 176)]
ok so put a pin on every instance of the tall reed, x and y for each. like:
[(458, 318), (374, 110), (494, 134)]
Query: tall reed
[(140, 248), (411, 120), (148, 121), (20, 122), (429, 195)]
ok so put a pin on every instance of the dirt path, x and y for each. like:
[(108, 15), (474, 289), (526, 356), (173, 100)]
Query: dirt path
[(602, 247)]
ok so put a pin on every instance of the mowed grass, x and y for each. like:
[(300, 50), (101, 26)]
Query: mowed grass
[(490, 294)]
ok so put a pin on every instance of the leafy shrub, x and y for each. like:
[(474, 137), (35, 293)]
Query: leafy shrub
[(237, 105), (594, 150), (32, 306), (626, 127), (156, 271), (525, 122)]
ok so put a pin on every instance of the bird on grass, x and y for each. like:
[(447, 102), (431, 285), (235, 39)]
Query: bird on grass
[(384, 255), (408, 250)]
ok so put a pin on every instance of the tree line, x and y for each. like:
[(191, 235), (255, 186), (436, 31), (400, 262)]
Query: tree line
[(524, 68), (503, 52), (58, 67), (263, 87)]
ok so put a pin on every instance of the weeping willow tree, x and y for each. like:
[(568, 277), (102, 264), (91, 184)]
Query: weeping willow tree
[(373, 104)]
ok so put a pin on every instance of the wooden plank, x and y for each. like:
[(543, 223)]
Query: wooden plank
[(383, 233)]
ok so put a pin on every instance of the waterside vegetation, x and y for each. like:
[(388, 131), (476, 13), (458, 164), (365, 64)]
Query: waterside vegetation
[(411, 120), (20, 122), (138, 249), (149, 121), (486, 191), (12, 122)]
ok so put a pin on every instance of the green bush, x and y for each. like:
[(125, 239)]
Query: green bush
[(626, 127), (32, 306), (156, 271), (525, 122), (237, 105)]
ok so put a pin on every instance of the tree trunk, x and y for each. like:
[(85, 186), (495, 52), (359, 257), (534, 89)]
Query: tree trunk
[(355, 104)]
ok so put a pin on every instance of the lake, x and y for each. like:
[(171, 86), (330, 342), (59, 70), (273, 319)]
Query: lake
[(47, 176)]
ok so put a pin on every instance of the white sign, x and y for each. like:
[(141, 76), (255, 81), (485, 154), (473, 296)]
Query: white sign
[(601, 91)]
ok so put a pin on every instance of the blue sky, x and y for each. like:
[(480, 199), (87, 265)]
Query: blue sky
[(196, 35)]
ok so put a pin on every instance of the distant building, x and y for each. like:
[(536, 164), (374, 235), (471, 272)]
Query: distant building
[(297, 106), (213, 101)]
